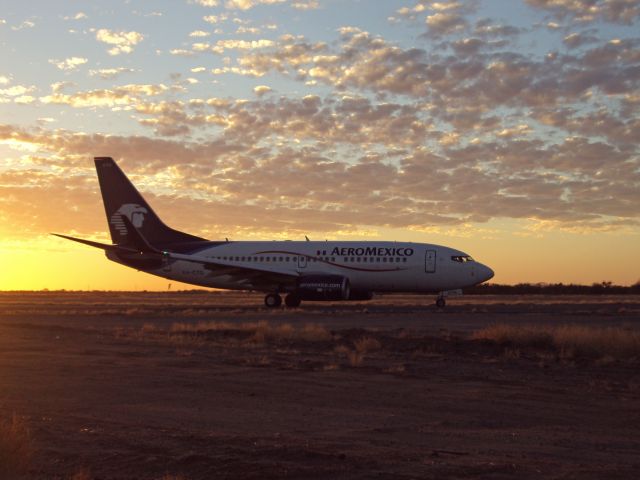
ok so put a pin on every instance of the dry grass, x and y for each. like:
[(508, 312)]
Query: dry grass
[(569, 341), (258, 332), (361, 347), (16, 448), (367, 344)]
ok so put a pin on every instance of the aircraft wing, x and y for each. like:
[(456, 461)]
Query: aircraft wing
[(256, 277)]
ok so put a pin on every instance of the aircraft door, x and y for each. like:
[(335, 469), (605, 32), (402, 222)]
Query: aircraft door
[(430, 261), (302, 261)]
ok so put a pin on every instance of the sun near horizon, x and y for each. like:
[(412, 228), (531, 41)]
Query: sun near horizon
[(508, 130)]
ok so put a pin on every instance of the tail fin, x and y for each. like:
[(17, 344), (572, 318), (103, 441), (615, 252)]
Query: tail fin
[(121, 199)]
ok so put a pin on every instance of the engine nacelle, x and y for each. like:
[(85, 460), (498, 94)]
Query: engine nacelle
[(323, 287)]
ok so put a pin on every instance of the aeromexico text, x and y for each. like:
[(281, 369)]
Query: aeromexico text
[(372, 252)]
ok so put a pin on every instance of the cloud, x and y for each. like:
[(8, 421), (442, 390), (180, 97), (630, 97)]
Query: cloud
[(16, 91), (247, 4), (128, 95), (305, 4), (199, 33), (579, 39), (445, 23), (69, 64), (248, 72), (215, 19), (351, 153), (261, 90), (23, 25), (123, 42), (616, 11), (230, 44), (110, 73), (181, 52), (77, 16), (468, 124)]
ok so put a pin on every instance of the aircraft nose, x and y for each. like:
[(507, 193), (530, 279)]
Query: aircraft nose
[(486, 273)]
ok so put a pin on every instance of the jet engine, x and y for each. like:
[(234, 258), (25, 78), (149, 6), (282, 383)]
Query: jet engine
[(323, 287)]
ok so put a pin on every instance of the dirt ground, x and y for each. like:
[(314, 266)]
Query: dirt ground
[(109, 384)]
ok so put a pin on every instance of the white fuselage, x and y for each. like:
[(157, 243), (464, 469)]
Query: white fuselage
[(369, 266)]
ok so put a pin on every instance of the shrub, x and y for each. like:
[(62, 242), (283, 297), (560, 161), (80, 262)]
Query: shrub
[(367, 344), (569, 341)]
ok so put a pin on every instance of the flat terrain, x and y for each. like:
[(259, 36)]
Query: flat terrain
[(201, 386)]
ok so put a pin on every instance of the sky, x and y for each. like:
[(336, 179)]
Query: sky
[(506, 129)]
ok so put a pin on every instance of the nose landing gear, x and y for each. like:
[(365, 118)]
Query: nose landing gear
[(441, 300)]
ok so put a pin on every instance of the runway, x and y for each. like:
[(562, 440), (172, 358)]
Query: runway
[(214, 385)]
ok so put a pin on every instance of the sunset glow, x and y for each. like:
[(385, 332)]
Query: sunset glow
[(509, 130)]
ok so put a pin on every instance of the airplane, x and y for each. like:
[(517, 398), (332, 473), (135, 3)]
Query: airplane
[(302, 270)]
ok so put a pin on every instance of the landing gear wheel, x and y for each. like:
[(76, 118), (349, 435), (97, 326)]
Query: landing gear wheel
[(440, 302), (273, 300), (292, 300)]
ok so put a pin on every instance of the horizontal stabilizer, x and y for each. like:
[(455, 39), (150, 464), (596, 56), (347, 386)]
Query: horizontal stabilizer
[(103, 246)]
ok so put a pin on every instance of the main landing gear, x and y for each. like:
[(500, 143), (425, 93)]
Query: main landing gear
[(273, 300), (440, 302), (292, 300)]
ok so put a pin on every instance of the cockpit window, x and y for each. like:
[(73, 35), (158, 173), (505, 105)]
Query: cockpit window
[(462, 258)]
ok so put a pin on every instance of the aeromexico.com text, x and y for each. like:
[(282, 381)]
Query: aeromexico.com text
[(372, 252)]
